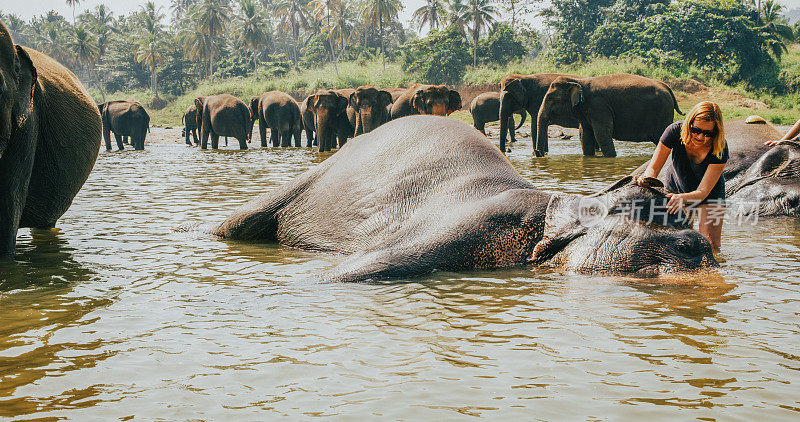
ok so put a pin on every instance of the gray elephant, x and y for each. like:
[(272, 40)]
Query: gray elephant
[(279, 112), (618, 106), (331, 118), (438, 100), (759, 179), (124, 119), (521, 93), (222, 115), (307, 116), (50, 132), (189, 120), (485, 108), (382, 199), (369, 107)]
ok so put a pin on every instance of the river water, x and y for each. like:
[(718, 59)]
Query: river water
[(115, 316)]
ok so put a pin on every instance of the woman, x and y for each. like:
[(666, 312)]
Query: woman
[(699, 154)]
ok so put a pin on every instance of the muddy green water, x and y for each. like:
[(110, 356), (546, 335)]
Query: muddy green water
[(114, 316)]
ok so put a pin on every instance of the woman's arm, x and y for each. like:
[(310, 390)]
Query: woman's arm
[(791, 134), (656, 163), (710, 178)]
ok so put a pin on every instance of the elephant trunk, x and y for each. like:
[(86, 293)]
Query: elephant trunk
[(324, 130), (506, 111), (542, 121)]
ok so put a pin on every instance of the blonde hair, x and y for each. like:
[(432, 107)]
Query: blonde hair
[(706, 111)]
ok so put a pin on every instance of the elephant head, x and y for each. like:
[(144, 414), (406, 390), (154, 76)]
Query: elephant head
[(769, 187), (513, 92), (370, 107), (563, 96), (436, 99), (622, 230), (253, 114), (18, 78), (199, 102), (329, 109)]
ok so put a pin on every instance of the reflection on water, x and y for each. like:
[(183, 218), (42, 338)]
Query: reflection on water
[(113, 315)]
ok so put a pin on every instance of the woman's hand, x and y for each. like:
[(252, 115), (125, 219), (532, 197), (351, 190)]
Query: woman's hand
[(676, 202), (773, 143)]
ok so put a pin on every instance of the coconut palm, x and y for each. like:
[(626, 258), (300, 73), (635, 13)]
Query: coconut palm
[(210, 17), (381, 13), (343, 26), (322, 10), (292, 16), (252, 28), (53, 42), (775, 30), (456, 15), (83, 46), (480, 14), (73, 3), (150, 41), (432, 14), (180, 8)]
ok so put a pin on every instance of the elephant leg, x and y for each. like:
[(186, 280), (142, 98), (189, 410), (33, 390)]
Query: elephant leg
[(286, 139), (602, 135), (226, 141), (187, 137), (480, 126), (107, 137), (242, 142), (119, 142), (204, 137), (297, 142), (194, 136), (262, 130), (274, 137), (16, 166), (511, 131), (309, 138), (214, 141), (588, 143)]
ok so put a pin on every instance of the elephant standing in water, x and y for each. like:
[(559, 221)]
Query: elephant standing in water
[(425, 193), (619, 106), (426, 99), (50, 133), (758, 178), (222, 115), (307, 116), (331, 119), (124, 119), (280, 113), (189, 120), (521, 93), (485, 108), (369, 107)]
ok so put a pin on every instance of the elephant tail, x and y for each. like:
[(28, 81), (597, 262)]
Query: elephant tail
[(523, 114), (674, 101)]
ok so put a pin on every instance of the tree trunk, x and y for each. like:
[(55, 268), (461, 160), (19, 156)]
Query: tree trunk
[(475, 35), (333, 50), (383, 47)]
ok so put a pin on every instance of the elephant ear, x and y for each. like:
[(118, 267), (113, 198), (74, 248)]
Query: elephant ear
[(517, 91), (341, 103), (418, 102), (254, 105), (313, 102), (575, 94), (353, 101), (384, 97), (562, 225), (454, 101), (198, 102), (24, 73)]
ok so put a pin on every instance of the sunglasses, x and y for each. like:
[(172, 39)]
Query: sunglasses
[(706, 133)]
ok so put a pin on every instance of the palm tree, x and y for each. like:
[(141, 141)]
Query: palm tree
[(432, 14), (456, 14), (343, 27), (380, 12), (150, 41), (775, 29), (180, 8), (83, 47), (324, 8), (292, 15), (251, 27), (73, 3), (479, 13), (52, 42), (102, 20), (211, 16)]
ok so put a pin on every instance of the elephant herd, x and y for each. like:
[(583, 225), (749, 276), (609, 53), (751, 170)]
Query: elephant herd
[(414, 194), (329, 117)]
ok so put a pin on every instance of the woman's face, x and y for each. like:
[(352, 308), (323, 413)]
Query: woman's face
[(703, 131)]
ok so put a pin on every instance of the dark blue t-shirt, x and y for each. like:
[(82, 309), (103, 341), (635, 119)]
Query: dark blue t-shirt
[(685, 176)]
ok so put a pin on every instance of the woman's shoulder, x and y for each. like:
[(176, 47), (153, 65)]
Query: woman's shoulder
[(672, 135)]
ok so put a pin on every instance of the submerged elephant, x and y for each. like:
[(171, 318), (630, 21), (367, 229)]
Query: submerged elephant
[(189, 120), (279, 112), (758, 178), (485, 108), (222, 115), (618, 106), (124, 119), (426, 99), (425, 193), (369, 107), (521, 93), (50, 132)]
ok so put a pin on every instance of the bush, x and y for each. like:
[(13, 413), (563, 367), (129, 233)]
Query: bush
[(439, 58), (502, 45)]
